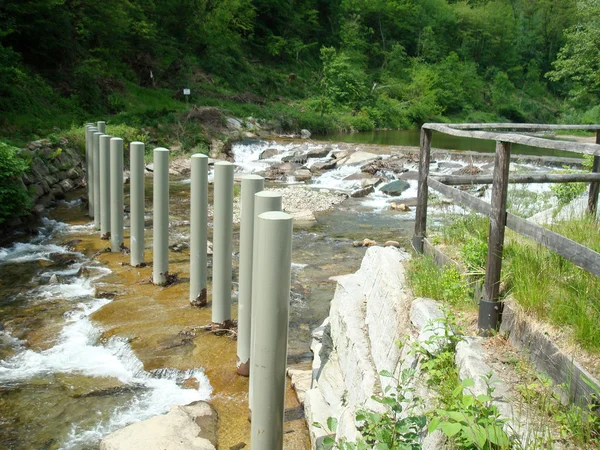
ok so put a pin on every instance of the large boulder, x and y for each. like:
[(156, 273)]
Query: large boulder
[(191, 427), (369, 314)]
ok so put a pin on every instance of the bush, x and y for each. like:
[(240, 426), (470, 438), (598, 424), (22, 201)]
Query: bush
[(14, 200)]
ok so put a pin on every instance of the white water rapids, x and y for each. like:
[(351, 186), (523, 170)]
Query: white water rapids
[(78, 349)]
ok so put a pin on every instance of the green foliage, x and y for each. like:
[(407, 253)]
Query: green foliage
[(446, 284), (542, 282), (472, 421), (396, 428), (14, 200)]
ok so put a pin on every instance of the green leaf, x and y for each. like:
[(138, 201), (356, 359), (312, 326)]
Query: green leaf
[(450, 429), (332, 424), (386, 373), (483, 398), (467, 382), (433, 425)]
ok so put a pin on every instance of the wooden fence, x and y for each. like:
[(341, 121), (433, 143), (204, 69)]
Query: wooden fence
[(587, 259)]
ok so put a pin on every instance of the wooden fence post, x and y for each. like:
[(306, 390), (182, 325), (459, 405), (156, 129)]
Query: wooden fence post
[(489, 307), (594, 187), (422, 190)]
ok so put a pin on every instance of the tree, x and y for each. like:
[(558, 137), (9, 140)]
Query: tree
[(579, 59)]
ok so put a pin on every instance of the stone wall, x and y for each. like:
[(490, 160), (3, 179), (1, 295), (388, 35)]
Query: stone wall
[(56, 168)]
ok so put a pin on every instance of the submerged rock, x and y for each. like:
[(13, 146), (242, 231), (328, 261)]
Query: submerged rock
[(395, 188), (190, 427)]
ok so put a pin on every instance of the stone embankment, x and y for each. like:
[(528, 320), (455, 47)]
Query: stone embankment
[(55, 169)]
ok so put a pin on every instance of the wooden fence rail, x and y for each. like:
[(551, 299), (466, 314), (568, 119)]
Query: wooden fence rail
[(587, 259)]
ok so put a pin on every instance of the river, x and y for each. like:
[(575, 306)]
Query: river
[(75, 366)]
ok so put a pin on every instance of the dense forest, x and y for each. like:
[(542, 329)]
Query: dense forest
[(320, 64)]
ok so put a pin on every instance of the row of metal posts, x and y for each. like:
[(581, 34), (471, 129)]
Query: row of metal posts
[(265, 258)]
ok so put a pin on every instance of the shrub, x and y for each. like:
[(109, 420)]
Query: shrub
[(14, 200)]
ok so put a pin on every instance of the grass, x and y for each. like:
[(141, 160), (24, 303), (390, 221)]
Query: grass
[(542, 282)]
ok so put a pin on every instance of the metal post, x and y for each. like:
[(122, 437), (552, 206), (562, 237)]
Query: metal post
[(422, 190), (160, 205), (251, 184), (137, 200), (102, 127), (222, 245), (105, 187), (89, 174), (269, 362), (88, 141), (489, 306), (96, 177), (264, 201), (594, 187), (198, 230), (116, 194)]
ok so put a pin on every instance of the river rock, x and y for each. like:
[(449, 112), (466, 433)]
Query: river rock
[(368, 243), (393, 164), (358, 158), (268, 153), (319, 152), (67, 185), (286, 167), (395, 188), (234, 124), (362, 192), (37, 190), (305, 134), (399, 207), (301, 382), (392, 244), (340, 154), (319, 166), (302, 175), (82, 386), (191, 427)]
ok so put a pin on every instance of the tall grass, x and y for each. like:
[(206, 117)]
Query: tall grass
[(542, 282)]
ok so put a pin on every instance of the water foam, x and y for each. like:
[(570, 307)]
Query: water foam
[(78, 350)]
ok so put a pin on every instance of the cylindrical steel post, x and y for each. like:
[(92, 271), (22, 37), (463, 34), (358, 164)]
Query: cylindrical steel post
[(251, 185), (89, 131), (96, 177), (137, 201), (105, 187), (116, 194), (88, 140), (264, 201), (101, 127), (270, 358), (198, 229), (222, 246), (160, 206)]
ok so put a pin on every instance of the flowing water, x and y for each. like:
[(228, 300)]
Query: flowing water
[(75, 366)]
